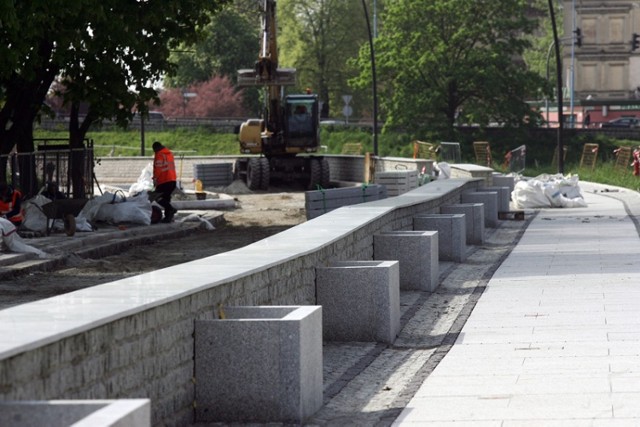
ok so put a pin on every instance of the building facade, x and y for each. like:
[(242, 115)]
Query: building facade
[(605, 65)]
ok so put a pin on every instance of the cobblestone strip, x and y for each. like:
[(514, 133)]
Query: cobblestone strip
[(378, 381)]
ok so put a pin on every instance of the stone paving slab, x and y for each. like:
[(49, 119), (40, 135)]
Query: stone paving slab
[(554, 338)]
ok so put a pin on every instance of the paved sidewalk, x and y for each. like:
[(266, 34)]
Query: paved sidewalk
[(555, 337)]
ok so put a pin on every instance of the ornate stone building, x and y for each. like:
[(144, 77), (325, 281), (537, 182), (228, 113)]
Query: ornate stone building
[(605, 66)]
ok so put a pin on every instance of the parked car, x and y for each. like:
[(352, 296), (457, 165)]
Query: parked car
[(622, 122)]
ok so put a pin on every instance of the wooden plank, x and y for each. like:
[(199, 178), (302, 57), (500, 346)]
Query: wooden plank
[(623, 157), (589, 155), (482, 152)]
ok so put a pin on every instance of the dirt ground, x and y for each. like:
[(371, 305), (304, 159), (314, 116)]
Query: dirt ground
[(255, 217)]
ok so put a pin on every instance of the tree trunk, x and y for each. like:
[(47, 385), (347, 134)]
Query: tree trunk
[(78, 155)]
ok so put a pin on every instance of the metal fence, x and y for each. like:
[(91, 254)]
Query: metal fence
[(54, 161)]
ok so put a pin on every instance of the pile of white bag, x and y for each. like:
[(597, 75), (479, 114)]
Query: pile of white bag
[(112, 208), (548, 191)]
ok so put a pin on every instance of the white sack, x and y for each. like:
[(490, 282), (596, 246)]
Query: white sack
[(135, 210), (34, 218), (444, 170), (197, 218), (14, 242), (145, 181), (548, 191)]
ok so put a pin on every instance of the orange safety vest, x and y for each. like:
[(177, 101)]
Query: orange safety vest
[(164, 167), (6, 207)]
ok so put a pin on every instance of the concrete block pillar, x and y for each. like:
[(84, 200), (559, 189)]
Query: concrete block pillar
[(490, 201), (474, 215), (504, 197), (259, 364), (417, 253), (452, 234), (360, 300), (500, 180)]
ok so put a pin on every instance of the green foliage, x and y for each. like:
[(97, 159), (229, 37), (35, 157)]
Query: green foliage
[(127, 143), (389, 145), (230, 42), (452, 60), (541, 42), (107, 53), (605, 172), (318, 37), (539, 146)]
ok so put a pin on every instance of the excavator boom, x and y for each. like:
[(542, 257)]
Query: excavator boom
[(290, 124)]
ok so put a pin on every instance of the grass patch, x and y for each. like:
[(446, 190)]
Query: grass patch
[(603, 173), (181, 141)]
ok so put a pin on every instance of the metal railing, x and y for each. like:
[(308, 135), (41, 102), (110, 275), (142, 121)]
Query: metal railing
[(52, 162)]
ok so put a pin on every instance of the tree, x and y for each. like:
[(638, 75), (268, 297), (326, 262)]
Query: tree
[(229, 43), (106, 51), (440, 61), (214, 98), (318, 37), (540, 57)]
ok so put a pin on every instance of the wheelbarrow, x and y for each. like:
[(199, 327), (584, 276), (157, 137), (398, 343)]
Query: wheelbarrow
[(64, 209)]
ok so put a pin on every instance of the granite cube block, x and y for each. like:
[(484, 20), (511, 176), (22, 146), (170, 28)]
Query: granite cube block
[(500, 180), (259, 364), (474, 215), (490, 201), (504, 197), (360, 300), (417, 253), (452, 234)]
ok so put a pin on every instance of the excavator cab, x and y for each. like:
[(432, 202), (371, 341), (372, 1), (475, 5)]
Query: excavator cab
[(301, 124)]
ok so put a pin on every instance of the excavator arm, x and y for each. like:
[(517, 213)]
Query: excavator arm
[(288, 133)]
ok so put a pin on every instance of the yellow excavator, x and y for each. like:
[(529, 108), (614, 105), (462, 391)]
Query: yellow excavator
[(285, 139)]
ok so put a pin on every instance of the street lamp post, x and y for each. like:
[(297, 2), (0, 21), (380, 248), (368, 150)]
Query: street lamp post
[(373, 76), (185, 98), (573, 62), (560, 147), (546, 100)]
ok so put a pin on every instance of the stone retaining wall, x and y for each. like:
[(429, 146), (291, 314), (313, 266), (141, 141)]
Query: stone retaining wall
[(134, 338)]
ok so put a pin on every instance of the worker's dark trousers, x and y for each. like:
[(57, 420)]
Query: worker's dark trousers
[(165, 189)]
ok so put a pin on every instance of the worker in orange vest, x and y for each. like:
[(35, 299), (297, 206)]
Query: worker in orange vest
[(164, 179), (11, 204)]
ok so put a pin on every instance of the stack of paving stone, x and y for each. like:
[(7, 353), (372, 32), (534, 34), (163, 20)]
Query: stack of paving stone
[(397, 182), (319, 202), (213, 174)]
